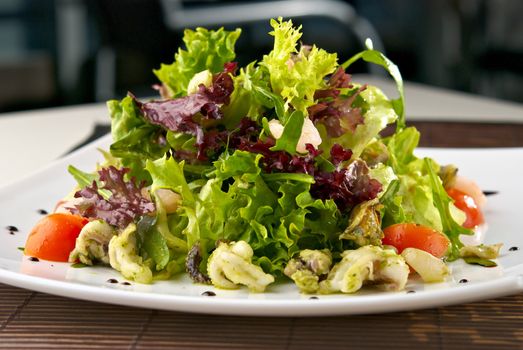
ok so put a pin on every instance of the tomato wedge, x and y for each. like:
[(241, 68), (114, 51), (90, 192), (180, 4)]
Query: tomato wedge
[(466, 203), (54, 236), (409, 235)]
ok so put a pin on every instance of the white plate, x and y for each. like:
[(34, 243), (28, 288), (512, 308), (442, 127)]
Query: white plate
[(494, 169)]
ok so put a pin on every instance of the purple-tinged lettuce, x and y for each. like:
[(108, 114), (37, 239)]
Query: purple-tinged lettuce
[(336, 111), (347, 187), (126, 204), (189, 114)]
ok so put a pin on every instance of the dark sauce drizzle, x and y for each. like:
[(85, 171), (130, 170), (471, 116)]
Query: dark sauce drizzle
[(411, 291), (126, 283), (464, 280), (313, 298), (490, 193), (42, 212), (112, 280), (513, 249), (11, 228), (209, 293), (32, 258)]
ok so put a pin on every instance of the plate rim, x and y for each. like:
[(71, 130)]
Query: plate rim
[(348, 305)]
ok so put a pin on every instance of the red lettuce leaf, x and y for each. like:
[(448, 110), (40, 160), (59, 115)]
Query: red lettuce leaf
[(188, 113), (339, 154), (125, 205), (347, 187), (335, 111)]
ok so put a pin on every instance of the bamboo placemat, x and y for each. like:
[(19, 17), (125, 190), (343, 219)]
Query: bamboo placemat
[(36, 320)]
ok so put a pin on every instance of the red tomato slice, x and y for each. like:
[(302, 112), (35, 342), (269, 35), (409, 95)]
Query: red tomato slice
[(467, 204), (54, 237), (409, 235)]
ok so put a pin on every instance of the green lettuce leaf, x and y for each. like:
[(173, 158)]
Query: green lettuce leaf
[(276, 215), (413, 200), (168, 173), (384, 174), (205, 49), (296, 74), (134, 140)]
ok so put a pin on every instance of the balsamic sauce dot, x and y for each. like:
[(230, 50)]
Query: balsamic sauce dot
[(11, 232), (513, 249), (126, 283), (313, 298), (208, 293), (112, 280), (32, 258), (411, 291), (42, 212), (11, 228), (464, 280), (490, 193)]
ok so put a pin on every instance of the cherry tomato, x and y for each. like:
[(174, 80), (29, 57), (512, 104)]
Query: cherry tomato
[(54, 237), (467, 204), (409, 235)]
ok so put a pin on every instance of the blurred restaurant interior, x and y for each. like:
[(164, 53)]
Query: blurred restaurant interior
[(64, 52)]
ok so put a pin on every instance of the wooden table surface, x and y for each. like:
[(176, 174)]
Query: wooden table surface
[(35, 320)]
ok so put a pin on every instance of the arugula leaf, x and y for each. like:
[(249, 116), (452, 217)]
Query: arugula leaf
[(291, 133), (205, 49), (380, 59), (156, 248), (288, 176), (443, 201), (250, 97), (271, 100)]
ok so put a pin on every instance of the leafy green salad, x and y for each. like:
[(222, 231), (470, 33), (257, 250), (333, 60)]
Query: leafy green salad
[(244, 176)]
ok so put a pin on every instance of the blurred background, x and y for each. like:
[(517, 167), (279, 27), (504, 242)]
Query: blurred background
[(63, 52)]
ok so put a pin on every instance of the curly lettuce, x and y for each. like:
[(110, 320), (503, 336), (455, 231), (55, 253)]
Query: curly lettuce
[(296, 74), (276, 216), (205, 50)]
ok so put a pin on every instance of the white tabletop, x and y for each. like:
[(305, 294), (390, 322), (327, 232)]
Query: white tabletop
[(32, 139)]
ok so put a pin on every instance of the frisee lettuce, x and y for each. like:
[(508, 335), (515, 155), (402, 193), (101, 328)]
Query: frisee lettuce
[(205, 49), (296, 74)]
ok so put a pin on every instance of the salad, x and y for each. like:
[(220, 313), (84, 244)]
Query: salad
[(242, 176)]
